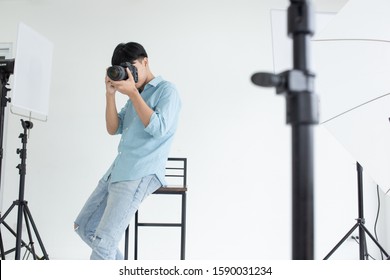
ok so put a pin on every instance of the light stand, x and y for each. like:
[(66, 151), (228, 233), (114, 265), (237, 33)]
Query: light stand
[(4, 77), (23, 210), (33, 71), (297, 86), (363, 254), (6, 69)]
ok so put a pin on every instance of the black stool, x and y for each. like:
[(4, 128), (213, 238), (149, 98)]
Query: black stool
[(176, 168)]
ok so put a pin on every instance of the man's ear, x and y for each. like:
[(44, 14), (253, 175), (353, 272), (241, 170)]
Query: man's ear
[(145, 61)]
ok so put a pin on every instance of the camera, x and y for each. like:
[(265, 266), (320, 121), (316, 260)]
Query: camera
[(118, 72)]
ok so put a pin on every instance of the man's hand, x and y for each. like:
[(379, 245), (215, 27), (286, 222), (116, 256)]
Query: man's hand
[(126, 87), (110, 88)]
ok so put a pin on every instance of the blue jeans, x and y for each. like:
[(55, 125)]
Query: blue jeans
[(107, 213)]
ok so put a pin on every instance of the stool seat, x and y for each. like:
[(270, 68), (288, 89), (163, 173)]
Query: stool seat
[(171, 190)]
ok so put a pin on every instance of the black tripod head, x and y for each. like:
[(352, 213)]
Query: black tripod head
[(26, 124)]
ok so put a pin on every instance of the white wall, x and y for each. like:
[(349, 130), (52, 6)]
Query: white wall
[(233, 133)]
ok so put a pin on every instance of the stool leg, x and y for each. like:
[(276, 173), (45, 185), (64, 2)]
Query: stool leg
[(136, 236), (183, 226), (126, 257)]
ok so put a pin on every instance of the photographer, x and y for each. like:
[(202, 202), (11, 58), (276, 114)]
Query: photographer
[(147, 124)]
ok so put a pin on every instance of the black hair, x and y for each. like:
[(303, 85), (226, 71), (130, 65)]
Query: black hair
[(128, 52)]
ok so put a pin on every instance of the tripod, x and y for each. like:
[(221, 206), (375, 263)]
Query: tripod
[(302, 114), (23, 210), (363, 254), (4, 77)]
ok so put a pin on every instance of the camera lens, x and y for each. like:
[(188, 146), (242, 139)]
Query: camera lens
[(117, 73)]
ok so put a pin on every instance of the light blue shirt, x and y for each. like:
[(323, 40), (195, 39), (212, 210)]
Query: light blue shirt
[(144, 151)]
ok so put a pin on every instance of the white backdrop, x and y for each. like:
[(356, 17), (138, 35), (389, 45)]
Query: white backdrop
[(233, 133)]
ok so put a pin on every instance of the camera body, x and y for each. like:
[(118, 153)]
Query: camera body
[(118, 72)]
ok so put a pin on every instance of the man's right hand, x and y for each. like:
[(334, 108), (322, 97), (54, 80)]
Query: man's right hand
[(110, 89)]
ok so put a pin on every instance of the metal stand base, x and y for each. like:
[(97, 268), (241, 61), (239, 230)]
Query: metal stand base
[(23, 210), (363, 254), (29, 222)]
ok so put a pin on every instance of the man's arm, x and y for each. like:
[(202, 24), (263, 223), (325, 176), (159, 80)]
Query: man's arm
[(112, 120), (128, 88), (143, 110)]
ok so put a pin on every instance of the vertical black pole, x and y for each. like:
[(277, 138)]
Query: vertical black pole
[(22, 171), (2, 113), (362, 235), (302, 113), (302, 195), (4, 101), (136, 236), (3, 104), (301, 117), (184, 212), (183, 226), (126, 255)]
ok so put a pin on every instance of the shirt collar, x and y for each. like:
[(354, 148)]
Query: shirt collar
[(155, 81)]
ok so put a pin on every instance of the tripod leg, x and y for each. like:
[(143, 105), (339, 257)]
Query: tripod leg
[(45, 255), (375, 241), (24, 244), (7, 212), (31, 243), (2, 246), (341, 241), (3, 223)]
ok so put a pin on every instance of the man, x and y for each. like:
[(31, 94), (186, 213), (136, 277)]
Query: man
[(147, 123)]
